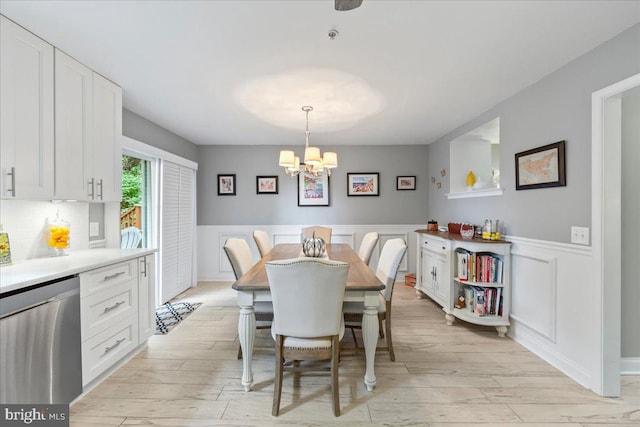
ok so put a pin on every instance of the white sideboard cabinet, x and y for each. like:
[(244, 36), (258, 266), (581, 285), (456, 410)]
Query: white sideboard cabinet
[(469, 278), (26, 114), (434, 268)]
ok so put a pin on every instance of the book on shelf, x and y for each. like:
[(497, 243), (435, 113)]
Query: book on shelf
[(480, 308), (463, 265), (483, 301), (488, 268), (469, 298)]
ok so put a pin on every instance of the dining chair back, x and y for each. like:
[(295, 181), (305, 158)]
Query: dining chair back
[(323, 232), (239, 255), (307, 295), (392, 253), (367, 245), (263, 242)]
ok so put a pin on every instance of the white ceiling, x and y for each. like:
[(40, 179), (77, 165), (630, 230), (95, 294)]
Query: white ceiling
[(400, 72)]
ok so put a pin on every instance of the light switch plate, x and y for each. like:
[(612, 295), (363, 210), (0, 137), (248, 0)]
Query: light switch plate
[(580, 235), (94, 229)]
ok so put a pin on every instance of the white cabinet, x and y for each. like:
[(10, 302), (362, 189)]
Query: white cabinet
[(88, 129), (147, 297), (117, 312), (433, 269), (107, 140), (26, 111), (450, 266), (74, 114), (108, 316)]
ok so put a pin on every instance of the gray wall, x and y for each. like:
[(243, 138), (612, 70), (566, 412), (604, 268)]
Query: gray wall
[(392, 207), (143, 130), (558, 107), (630, 226)]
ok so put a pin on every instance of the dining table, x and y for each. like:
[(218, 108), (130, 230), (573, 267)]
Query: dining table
[(362, 286)]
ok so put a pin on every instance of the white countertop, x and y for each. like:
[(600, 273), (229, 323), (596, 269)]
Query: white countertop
[(33, 271)]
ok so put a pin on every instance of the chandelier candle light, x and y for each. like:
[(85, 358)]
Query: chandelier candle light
[(313, 162)]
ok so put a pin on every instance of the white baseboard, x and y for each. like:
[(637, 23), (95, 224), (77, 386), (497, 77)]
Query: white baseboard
[(530, 340), (630, 366)]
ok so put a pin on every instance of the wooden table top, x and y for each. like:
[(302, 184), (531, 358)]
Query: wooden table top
[(360, 277)]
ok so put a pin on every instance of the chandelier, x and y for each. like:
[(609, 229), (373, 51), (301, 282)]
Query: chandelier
[(313, 162)]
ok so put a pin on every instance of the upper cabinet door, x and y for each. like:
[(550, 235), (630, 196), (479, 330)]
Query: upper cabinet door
[(73, 143), (107, 139), (26, 112)]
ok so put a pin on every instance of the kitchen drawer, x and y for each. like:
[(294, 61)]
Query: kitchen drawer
[(102, 309), (103, 350), (107, 277), (435, 245)]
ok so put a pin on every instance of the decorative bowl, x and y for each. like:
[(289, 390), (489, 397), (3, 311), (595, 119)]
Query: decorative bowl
[(467, 231)]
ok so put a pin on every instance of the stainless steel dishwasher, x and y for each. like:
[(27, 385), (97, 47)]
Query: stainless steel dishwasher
[(40, 343)]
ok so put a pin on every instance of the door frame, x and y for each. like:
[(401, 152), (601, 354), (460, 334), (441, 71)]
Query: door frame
[(606, 198)]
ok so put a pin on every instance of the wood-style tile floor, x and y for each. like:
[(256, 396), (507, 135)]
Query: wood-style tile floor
[(461, 375)]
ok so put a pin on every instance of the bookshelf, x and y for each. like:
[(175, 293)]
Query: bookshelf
[(478, 270)]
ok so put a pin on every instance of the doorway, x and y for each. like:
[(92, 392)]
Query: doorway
[(136, 208), (606, 209)]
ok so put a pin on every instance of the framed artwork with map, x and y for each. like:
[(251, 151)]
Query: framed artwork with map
[(541, 167)]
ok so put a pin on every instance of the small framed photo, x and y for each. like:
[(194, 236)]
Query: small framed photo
[(541, 167), (267, 184), (405, 183), (313, 190), (226, 184), (363, 184)]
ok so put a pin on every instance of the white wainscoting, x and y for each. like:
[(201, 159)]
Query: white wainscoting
[(213, 264), (551, 308)]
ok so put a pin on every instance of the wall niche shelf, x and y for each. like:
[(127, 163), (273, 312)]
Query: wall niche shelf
[(485, 192)]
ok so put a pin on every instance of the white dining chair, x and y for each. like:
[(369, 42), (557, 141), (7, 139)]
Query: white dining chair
[(390, 258), (263, 242), (307, 295), (241, 260), (320, 231), (367, 245)]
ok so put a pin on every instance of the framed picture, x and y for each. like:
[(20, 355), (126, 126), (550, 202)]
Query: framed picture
[(541, 167), (405, 183), (363, 184), (227, 185), (313, 190), (266, 184)]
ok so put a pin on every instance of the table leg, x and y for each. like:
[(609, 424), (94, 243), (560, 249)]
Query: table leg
[(370, 330), (247, 336)]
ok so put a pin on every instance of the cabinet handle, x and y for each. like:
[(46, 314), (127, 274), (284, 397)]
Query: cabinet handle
[(12, 190), (144, 263), (443, 248), (112, 276), (91, 183), (99, 185), (116, 305), (108, 349)]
